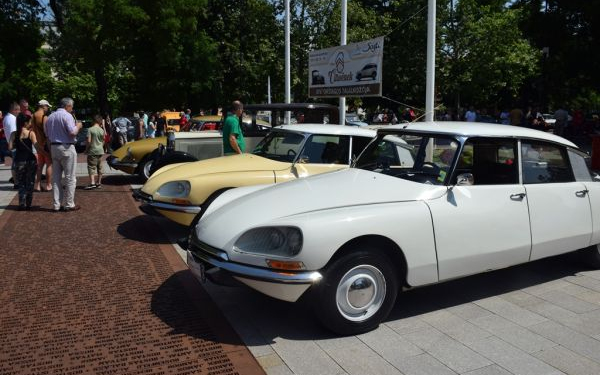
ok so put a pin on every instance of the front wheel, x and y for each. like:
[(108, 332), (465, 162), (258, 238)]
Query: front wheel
[(357, 292), (145, 167)]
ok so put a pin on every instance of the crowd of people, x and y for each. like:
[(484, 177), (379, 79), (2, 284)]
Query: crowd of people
[(42, 139)]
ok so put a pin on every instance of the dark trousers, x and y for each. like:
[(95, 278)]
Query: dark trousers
[(26, 177)]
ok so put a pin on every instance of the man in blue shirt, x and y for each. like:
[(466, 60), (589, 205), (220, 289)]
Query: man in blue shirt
[(233, 139), (62, 130)]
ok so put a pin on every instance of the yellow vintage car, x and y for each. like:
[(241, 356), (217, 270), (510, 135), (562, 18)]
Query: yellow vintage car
[(182, 192)]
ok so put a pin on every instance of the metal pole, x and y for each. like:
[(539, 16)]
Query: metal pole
[(288, 94), (430, 83), (343, 43)]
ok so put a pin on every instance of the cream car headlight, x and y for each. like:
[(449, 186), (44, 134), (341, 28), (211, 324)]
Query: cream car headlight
[(174, 189), (278, 241)]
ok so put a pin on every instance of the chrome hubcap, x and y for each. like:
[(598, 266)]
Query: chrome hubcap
[(147, 167), (360, 293)]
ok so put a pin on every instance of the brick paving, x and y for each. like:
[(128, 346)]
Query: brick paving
[(101, 291)]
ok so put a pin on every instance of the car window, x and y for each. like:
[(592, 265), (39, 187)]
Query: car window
[(326, 149), (491, 161), (420, 158), (280, 146), (580, 168), (359, 144), (545, 163)]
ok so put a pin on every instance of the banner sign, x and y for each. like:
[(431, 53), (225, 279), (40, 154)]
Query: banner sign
[(350, 70)]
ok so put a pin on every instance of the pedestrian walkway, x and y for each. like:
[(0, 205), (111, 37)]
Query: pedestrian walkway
[(101, 291)]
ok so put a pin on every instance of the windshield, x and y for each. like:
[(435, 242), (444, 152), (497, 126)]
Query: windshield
[(421, 158), (280, 146)]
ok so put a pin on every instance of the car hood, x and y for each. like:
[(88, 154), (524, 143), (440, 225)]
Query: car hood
[(278, 203), (145, 144), (223, 164)]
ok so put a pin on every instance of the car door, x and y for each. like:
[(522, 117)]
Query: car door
[(559, 205), (485, 225)]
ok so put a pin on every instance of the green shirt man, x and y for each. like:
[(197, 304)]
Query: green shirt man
[(233, 139)]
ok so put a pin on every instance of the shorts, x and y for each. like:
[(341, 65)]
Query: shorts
[(94, 164), (43, 158)]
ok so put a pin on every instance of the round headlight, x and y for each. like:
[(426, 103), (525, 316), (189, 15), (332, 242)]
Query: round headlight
[(174, 189), (272, 241)]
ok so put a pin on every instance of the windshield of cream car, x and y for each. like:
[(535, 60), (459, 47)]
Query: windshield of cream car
[(280, 146), (416, 157)]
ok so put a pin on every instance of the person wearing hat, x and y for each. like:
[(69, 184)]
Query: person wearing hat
[(43, 157)]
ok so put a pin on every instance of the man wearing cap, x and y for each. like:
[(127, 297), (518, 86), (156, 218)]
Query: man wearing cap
[(40, 116), (61, 130)]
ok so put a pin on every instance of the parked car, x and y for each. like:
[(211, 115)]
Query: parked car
[(368, 71), (454, 199), (138, 157), (317, 78), (183, 192), (81, 138), (352, 119)]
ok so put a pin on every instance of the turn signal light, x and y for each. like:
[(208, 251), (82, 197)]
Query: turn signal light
[(180, 201), (285, 265)]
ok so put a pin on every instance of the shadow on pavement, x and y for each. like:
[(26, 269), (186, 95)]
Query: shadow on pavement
[(133, 229), (121, 179), (469, 289), (274, 319)]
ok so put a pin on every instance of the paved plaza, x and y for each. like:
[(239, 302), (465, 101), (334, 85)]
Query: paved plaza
[(538, 318)]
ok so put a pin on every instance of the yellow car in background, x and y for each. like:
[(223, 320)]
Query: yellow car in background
[(182, 192)]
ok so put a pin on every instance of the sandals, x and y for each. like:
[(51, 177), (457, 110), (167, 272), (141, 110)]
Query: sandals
[(90, 187)]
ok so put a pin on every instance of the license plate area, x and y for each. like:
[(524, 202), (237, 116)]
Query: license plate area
[(197, 268)]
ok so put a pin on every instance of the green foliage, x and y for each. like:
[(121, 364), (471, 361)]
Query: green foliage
[(125, 55), (485, 59), (20, 42)]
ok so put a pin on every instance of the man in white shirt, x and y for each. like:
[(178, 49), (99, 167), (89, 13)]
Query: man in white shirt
[(10, 126)]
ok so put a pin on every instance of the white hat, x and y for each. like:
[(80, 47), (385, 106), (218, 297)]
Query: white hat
[(44, 102)]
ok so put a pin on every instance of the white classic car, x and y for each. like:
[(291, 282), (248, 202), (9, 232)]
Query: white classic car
[(424, 203)]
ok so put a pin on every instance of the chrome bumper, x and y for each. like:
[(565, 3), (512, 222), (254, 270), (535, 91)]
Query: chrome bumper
[(217, 258), (114, 162), (147, 200)]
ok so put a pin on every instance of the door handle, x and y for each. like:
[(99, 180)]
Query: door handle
[(517, 197), (581, 193)]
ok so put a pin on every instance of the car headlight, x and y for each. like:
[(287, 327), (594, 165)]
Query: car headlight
[(174, 189), (279, 241)]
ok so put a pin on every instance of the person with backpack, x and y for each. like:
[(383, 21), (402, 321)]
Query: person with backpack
[(26, 147)]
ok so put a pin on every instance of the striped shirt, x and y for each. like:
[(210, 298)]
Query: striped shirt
[(60, 127)]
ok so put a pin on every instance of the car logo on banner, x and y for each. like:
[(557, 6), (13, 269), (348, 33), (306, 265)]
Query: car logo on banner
[(350, 70)]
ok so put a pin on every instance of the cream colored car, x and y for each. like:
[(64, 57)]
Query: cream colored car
[(182, 192)]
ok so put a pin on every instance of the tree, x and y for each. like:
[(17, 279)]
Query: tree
[(484, 58), (20, 49)]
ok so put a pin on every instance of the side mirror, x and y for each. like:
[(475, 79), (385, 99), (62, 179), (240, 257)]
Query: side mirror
[(465, 179)]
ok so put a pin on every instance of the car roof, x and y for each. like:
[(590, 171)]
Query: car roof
[(475, 129), (329, 129), (288, 106)]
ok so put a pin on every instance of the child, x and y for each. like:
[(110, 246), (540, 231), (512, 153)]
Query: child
[(94, 150), (24, 143)]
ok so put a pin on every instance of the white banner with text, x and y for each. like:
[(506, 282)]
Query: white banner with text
[(350, 70)]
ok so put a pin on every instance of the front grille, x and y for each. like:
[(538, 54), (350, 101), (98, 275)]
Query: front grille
[(196, 247)]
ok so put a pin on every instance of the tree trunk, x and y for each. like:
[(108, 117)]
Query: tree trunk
[(102, 89)]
